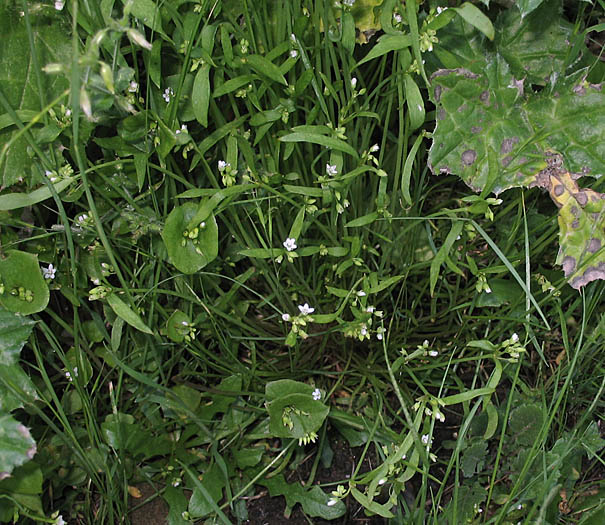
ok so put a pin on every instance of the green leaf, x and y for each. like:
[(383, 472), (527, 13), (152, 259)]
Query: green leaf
[(26, 479), (285, 387), (213, 483), (443, 253), (527, 6), (16, 445), (363, 220), (18, 77), (147, 12), (473, 458), (126, 313), (14, 332), (525, 423), (175, 324), (266, 68), (25, 290), (200, 96), (322, 140), (233, 84), (314, 501), (475, 17), (386, 44), (415, 103), (13, 201), (187, 256), (13, 378), (372, 506)]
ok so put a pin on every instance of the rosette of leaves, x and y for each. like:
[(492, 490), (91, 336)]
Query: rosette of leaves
[(515, 114)]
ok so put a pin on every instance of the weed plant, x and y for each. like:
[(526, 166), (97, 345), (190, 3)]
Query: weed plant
[(227, 263)]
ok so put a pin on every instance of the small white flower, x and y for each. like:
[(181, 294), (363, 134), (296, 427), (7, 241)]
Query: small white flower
[(364, 330), (348, 3), (520, 506), (290, 244), (425, 439), (305, 309), (331, 169), (133, 87), (59, 5), (183, 129), (59, 520), (488, 290), (379, 336), (353, 82), (361, 293), (49, 273), (382, 481), (397, 18), (293, 53), (370, 309), (433, 353), (285, 317), (374, 148), (425, 342), (222, 165), (168, 93), (440, 10), (316, 394), (514, 338), (332, 502), (81, 218)]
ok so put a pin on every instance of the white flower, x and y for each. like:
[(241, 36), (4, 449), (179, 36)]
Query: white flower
[(433, 353), (81, 218), (49, 273), (488, 290), (59, 5), (293, 53), (374, 148), (68, 375), (370, 309), (59, 520), (379, 336), (364, 330), (425, 439), (316, 394), (514, 338), (222, 165), (331, 169), (133, 87), (332, 502), (168, 93), (290, 244), (305, 309), (397, 18), (440, 10), (183, 129), (361, 293), (285, 317), (382, 481), (348, 3), (353, 82)]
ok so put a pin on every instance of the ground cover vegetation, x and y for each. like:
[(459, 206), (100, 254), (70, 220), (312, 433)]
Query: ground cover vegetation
[(302, 261)]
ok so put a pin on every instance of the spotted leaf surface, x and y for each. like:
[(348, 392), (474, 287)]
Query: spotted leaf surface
[(582, 230)]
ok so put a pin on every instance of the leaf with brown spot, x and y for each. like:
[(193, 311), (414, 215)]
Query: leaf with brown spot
[(582, 230)]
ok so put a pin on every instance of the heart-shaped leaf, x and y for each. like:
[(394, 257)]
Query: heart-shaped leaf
[(24, 288)]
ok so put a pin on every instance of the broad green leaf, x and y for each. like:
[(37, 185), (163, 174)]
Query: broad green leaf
[(322, 140), (213, 482), (473, 458), (16, 445), (314, 501), (266, 68), (26, 479), (189, 254), (14, 332), (386, 44), (126, 313), (148, 12), (177, 503), (538, 45), (13, 201), (18, 77), (177, 326), (475, 17), (372, 506), (24, 289), (525, 423), (285, 387), (16, 388)]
